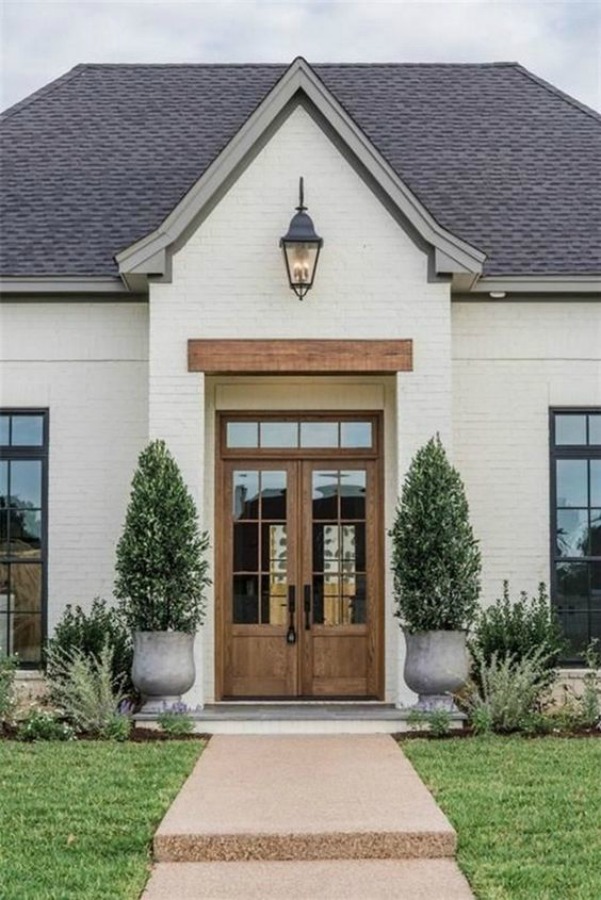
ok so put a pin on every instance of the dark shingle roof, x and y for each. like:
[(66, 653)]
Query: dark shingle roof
[(98, 158)]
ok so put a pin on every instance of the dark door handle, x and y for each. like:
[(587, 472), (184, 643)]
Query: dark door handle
[(307, 607), (291, 633)]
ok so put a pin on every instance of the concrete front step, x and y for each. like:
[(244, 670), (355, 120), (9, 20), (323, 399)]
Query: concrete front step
[(432, 879), (300, 718), (303, 798)]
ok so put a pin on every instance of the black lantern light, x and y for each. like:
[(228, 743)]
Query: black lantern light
[(301, 248)]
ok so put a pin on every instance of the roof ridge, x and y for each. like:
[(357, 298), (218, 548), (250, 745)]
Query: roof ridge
[(552, 89), (42, 92)]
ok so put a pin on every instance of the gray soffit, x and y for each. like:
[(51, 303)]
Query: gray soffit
[(489, 156)]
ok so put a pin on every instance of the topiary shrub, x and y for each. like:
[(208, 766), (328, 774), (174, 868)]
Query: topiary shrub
[(161, 565), (517, 629), (88, 633), (435, 557)]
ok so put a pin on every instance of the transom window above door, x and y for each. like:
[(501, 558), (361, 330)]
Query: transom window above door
[(304, 433)]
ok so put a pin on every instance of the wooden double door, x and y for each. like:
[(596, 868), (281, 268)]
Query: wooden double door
[(299, 584)]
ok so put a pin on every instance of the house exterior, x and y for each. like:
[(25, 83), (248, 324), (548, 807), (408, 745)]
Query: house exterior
[(144, 295)]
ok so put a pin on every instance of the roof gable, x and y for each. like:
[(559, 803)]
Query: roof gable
[(100, 158), (298, 84)]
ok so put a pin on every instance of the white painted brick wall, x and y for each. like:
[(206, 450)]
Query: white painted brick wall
[(86, 362), (511, 362), (229, 281)]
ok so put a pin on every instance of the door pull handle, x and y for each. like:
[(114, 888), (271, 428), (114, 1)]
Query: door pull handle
[(307, 607), (291, 633)]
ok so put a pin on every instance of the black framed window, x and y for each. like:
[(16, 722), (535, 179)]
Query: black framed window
[(576, 525), (23, 532)]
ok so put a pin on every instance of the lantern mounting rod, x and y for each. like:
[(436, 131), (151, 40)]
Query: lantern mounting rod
[(301, 195)]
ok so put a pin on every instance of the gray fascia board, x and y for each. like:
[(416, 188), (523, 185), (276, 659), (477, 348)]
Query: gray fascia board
[(62, 285), (299, 77), (539, 284)]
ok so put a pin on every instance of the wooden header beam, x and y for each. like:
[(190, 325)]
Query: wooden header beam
[(299, 357)]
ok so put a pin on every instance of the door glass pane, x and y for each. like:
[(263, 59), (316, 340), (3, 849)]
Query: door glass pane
[(273, 549), (246, 548), (572, 532), (325, 548), (570, 429), (26, 483), (279, 434), (28, 431), (246, 599), (242, 434), (319, 434), (331, 600), (353, 547), (572, 482), (274, 600), (273, 495), (352, 494), (355, 434), (355, 589), (594, 429), (245, 495), (325, 495)]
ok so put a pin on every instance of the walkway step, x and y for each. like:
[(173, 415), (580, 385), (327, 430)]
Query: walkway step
[(334, 880), (303, 797)]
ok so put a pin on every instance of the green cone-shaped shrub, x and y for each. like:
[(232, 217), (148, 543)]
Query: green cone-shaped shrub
[(161, 563), (435, 557)]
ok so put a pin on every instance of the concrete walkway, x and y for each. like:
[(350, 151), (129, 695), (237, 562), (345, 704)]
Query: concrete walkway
[(312, 816)]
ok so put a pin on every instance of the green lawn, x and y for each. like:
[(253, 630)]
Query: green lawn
[(76, 819), (527, 812)]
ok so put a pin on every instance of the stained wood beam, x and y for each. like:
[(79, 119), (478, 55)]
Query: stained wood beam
[(299, 357)]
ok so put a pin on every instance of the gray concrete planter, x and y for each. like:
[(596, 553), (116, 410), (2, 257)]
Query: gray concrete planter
[(436, 665), (163, 667)]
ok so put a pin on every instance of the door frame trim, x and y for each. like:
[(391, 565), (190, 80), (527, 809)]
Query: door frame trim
[(224, 455)]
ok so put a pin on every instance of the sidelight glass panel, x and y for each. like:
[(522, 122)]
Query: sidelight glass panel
[(572, 532), (319, 434), (570, 429), (246, 599), (352, 494), (325, 495), (572, 482), (356, 434), (26, 483), (246, 547), (242, 434), (245, 495), (279, 434)]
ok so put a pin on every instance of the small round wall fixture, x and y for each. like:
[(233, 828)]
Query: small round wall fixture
[(301, 246)]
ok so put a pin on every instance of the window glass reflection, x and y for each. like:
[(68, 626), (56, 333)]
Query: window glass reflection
[(594, 429), (273, 494), (570, 429), (355, 434), (245, 495), (572, 482), (26, 483), (352, 494), (27, 431), (325, 495), (279, 434), (319, 434), (572, 532), (242, 434)]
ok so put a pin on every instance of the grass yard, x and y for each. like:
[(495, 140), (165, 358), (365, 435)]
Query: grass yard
[(76, 819), (527, 812)]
